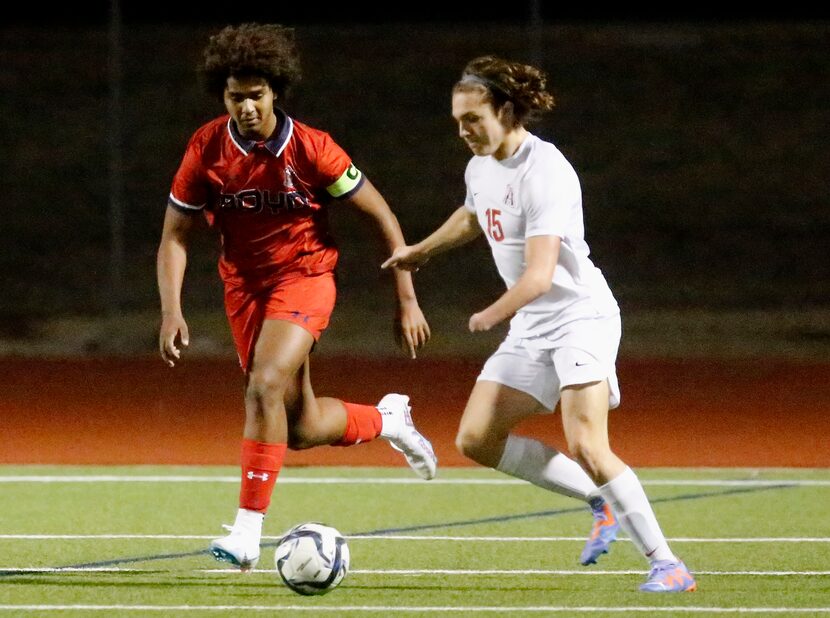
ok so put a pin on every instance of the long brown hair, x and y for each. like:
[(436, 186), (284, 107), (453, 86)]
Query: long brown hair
[(501, 80)]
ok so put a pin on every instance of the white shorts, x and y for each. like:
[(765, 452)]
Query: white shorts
[(580, 352)]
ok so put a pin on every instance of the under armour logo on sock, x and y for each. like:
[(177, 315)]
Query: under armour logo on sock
[(253, 475)]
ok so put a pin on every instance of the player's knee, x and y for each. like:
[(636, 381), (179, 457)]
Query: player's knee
[(588, 454), (266, 383), (471, 444), (580, 449)]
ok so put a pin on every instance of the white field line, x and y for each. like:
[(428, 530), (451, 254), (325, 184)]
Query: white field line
[(419, 609), (400, 537), (427, 572), (289, 480)]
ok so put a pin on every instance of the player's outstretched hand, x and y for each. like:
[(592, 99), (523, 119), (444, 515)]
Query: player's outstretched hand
[(407, 257), (172, 334)]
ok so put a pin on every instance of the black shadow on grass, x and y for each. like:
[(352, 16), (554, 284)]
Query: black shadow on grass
[(579, 509)]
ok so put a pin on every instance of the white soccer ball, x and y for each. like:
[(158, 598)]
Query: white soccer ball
[(312, 558)]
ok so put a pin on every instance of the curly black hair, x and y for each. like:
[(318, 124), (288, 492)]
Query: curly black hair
[(251, 50)]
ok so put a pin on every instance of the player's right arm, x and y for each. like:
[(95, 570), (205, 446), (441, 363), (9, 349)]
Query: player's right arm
[(460, 228), (171, 262)]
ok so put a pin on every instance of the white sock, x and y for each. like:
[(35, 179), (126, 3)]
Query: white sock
[(628, 499), (248, 522), (532, 461)]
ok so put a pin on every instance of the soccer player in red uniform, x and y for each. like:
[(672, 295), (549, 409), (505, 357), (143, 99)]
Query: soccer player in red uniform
[(264, 180)]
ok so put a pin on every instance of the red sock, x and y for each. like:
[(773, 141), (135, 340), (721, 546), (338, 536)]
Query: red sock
[(261, 463), (363, 423)]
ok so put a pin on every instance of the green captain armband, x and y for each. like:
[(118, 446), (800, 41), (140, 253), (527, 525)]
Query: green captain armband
[(346, 183)]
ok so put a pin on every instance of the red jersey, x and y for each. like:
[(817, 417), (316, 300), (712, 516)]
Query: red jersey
[(267, 199)]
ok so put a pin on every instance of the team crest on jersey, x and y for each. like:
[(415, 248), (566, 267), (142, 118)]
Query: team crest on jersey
[(508, 197), (288, 178)]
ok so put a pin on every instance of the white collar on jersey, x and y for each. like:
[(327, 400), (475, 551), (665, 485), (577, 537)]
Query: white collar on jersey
[(276, 144)]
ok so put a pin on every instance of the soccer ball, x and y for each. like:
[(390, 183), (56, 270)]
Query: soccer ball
[(312, 558)]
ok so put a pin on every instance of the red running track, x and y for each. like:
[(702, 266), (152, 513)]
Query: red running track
[(756, 413)]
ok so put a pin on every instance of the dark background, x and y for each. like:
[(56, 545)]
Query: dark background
[(370, 12), (701, 143)]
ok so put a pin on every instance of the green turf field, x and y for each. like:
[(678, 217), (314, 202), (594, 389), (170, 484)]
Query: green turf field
[(131, 541)]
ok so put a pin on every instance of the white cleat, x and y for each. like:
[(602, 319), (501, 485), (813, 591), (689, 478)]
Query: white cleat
[(239, 548), (402, 435)]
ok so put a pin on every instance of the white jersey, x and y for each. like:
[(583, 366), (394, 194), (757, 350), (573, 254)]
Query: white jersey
[(533, 193)]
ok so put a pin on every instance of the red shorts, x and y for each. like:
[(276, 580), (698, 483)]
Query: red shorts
[(306, 300)]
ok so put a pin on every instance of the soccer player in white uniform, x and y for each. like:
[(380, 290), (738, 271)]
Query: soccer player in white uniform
[(564, 321)]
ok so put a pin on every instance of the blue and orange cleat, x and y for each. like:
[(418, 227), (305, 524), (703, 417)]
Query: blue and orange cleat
[(669, 576), (603, 533)]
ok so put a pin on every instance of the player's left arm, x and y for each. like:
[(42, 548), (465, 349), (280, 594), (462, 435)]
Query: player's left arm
[(547, 197), (541, 257), (412, 329)]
